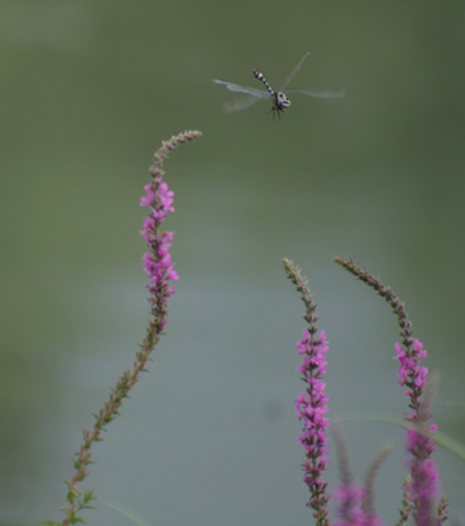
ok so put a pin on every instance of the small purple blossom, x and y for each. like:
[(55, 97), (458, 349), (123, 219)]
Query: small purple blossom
[(159, 199)]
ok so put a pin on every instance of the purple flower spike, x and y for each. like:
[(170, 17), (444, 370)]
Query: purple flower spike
[(311, 404), (424, 485), (311, 408), (157, 260)]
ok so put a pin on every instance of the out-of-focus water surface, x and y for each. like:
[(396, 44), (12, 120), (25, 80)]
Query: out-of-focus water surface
[(89, 90)]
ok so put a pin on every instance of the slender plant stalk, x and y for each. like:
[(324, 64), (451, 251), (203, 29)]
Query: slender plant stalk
[(157, 263)]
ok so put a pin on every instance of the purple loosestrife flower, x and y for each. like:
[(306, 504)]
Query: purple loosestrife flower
[(157, 260), (424, 477), (311, 404), (311, 407), (412, 375)]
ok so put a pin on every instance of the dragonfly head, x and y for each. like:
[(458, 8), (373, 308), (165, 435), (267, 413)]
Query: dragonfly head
[(280, 101)]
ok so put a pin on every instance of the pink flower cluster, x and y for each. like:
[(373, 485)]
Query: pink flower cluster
[(157, 260), (311, 406), (411, 374)]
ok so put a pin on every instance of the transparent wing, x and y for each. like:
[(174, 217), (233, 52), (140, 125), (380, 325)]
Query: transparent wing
[(239, 104), (324, 94), (236, 88), (294, 71)]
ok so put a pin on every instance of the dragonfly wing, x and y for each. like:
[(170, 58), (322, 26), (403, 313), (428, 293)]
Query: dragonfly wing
[(324, 94), (239, 104), (236, 88), (294, 71)]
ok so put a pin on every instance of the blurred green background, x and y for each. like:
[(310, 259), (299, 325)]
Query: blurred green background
[(89, 90)]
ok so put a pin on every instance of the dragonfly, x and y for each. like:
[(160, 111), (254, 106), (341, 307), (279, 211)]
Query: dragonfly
[(279, 100)]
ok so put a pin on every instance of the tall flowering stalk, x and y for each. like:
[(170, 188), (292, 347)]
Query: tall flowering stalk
[(157, 263), (421, 490), (311, 404)]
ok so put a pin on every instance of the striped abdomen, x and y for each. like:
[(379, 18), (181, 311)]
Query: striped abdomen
[(259, 75)]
